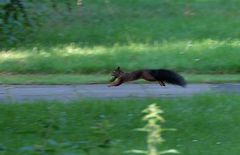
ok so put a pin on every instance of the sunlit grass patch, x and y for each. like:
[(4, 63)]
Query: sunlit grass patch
[(205, 56)]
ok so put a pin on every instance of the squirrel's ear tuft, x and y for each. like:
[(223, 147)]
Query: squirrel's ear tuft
[(118, 68)]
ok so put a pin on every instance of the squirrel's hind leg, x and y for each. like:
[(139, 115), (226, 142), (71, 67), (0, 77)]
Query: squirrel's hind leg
[(161, 83)]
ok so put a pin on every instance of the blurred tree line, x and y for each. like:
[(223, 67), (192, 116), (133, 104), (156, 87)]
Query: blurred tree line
[(19, 16)]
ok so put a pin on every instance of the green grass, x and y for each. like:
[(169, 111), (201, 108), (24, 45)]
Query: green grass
[(52, 79), (212, 78), (206, 124), (198, 57), (198, 36)]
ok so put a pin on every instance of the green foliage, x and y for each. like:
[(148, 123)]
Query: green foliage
[(18, 17), (13, 20), (153, 128), (54, 123)]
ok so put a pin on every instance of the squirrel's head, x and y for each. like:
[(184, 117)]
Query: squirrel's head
[(117, 72)]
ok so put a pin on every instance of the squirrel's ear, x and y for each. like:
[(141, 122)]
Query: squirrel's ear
[(118, 68)]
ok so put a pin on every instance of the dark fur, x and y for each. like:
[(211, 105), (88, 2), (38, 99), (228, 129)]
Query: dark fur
[(160, 75), (168, 76)]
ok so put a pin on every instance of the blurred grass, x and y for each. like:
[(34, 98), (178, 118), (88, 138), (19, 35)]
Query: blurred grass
[(207, 56), (54, 79), (192, 36), (206, 124), (139, 21)]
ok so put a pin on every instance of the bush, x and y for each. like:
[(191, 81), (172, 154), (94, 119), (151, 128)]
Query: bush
[(17, 17)]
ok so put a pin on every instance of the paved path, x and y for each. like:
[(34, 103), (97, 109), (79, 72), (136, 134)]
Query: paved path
[(19, 93)]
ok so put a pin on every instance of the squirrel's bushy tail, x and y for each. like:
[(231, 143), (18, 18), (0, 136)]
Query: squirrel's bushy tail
[(169, 77)]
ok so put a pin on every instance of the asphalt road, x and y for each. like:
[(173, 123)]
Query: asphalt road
[(20, 93)]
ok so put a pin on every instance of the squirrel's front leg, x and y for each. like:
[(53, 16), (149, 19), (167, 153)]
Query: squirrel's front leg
[(117, 83), (113, 79)]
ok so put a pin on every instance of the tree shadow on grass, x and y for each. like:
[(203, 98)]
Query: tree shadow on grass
[(106, 23)]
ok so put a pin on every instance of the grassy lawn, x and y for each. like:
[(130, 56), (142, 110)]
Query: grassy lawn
[(52, 79), (198, 36), (205, 124)]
